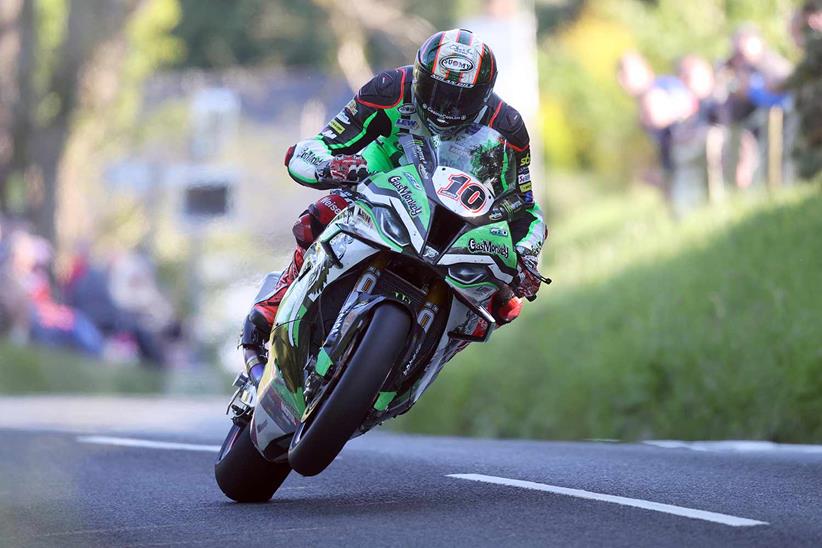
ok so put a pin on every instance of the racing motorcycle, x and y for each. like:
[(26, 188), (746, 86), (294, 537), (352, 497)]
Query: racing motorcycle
[(397, 283)]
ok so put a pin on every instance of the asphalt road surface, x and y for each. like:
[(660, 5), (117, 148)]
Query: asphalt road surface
[(139, 472)]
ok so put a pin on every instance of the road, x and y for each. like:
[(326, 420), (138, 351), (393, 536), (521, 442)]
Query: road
[(139, 472)]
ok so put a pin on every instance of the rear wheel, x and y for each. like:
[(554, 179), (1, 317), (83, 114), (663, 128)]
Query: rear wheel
[(324, 433), (241, 471)]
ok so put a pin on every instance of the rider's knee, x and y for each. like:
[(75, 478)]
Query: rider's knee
[(314, 220)]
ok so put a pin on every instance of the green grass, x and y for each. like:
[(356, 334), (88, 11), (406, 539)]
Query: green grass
[(31, 370), (709, 328)]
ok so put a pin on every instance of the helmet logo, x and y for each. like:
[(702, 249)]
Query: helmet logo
[(457, 63)]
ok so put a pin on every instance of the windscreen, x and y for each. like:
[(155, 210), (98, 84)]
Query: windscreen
[(481, 152)]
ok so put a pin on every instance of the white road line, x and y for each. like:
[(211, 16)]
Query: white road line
[(737, 446), (724, 519), (149, 444)]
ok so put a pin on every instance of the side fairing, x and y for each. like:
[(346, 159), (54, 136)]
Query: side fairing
[(489, 247)]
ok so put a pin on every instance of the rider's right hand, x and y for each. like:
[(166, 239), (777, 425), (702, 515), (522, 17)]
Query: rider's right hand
[(343, 169)]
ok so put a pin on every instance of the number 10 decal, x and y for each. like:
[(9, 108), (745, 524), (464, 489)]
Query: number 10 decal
[(469, 193)]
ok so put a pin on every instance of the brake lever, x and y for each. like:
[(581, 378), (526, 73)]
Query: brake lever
[(535, 273)]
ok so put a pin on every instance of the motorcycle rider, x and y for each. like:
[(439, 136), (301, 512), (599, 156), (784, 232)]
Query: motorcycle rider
[(449, 87)]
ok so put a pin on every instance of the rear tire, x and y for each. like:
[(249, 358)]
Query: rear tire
[(241, 471), (318, 441)]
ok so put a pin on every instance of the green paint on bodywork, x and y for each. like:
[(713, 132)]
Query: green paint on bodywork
[(323, 362), (383, 400), (493, 239), (295, 400), (409, 189)]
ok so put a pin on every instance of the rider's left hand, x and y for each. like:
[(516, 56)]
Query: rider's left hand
[(527, 282)]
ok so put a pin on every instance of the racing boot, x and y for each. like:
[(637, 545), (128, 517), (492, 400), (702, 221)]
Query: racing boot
[(258, 323)]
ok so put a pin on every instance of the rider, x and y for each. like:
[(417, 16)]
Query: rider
[(449, 87)]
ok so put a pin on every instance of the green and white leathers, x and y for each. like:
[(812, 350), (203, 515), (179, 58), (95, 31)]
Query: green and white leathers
[(385, 108), (429, 239)]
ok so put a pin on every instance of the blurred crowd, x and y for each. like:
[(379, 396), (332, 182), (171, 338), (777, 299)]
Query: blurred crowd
[(721, 124), (112, 310)]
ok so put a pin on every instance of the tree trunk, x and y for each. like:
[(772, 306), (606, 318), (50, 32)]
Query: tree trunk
[(90, 23)]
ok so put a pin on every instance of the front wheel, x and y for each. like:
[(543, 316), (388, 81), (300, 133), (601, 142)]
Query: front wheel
[(241, 471), (324, 433)]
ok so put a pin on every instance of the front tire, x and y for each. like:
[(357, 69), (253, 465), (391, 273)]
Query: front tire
[(322, 436), (241, 471)]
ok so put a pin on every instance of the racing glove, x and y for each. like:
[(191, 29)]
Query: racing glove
[(505, 307), (527, 280), (343, 169)]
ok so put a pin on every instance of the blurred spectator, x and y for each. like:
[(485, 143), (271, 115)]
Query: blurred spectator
[(14, 303), (134, 287), (665, 103), (699, 77), (634, 74), (87, 289), (751, 78), (51, 324)]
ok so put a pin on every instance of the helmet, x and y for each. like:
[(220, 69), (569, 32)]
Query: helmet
[(454, 76)]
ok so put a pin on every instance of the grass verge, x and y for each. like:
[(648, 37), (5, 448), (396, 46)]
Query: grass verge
[(709, 328)]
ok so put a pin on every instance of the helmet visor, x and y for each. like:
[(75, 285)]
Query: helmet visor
[(448, 103)]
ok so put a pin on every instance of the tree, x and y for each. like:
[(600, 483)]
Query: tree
[(40, 77)]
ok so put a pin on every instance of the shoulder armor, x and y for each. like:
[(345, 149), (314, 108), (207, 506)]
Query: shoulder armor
[(508, 121), (386, 89)]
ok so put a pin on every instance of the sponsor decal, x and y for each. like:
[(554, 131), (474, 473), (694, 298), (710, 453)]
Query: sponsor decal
[(457, 63), (463, 49), (498, 231), (410, 124), (407, 109), (329, 203), (407, 197), (328, 134), (506, 208), (342, 117), (412, 180), (486, 247), (524, 181), (310, 157), (363, 217), (336, 127), (351, 107), (525, 161)]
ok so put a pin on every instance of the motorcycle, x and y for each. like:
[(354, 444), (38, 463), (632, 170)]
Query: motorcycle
[(393, 288)]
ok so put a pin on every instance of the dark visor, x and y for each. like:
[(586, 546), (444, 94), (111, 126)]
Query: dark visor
[(448, 101)]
